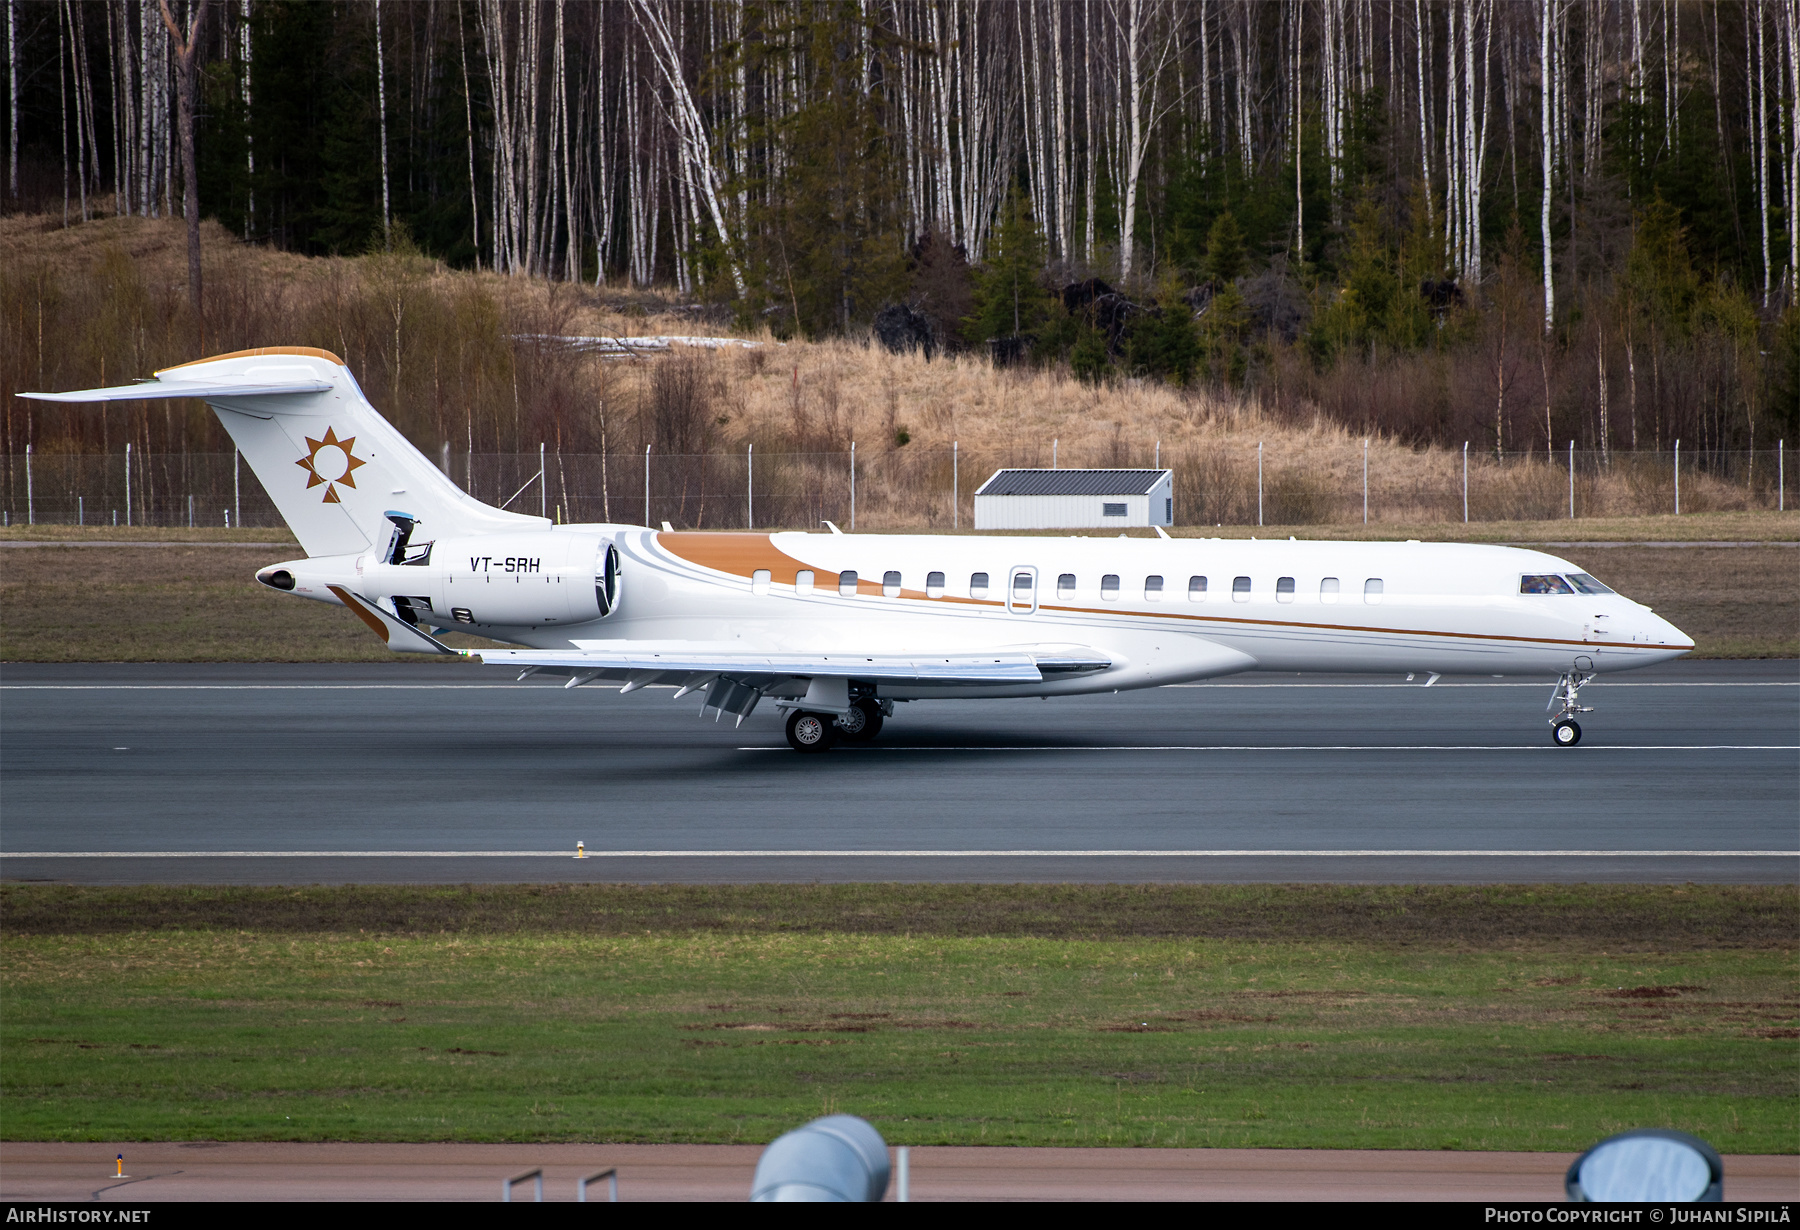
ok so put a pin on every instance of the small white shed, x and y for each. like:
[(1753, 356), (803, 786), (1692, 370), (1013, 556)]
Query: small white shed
[(1075, 499)]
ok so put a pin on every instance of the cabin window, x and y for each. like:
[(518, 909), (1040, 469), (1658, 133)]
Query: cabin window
[(1152, 589), (890, 585), (846, 584), (1284, 589), (1112, 510), (1584, 584), (1328, 590), (1065, 585), (1196, 589), (934, 585), (1372, 590), (1544, 585), (1240, 589), (803, 581), (1109, 587), (978, 585), (759, 581)]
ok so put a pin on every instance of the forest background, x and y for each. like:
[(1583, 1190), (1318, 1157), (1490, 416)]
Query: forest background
[(1520, 223)]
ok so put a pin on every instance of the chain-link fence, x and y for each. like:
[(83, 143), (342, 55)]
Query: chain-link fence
[(933, 489)]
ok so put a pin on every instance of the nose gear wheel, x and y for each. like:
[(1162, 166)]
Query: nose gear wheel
[(1565, 731)]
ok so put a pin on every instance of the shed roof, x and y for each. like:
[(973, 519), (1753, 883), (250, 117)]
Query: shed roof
[(1072, 482)]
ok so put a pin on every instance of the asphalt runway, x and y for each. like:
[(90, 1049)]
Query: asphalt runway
[(454, 773), (207, 1170)]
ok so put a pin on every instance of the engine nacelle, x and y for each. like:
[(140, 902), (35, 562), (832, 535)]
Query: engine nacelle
[(533, 579)]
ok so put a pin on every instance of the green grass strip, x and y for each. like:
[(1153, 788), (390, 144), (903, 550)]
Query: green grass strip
[(510, 1023)]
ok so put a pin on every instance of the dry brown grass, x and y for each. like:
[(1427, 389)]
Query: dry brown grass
[(1617, 917), (436, 349)]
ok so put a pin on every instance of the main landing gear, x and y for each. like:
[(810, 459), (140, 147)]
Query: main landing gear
[(808, 731), (1565, 731)]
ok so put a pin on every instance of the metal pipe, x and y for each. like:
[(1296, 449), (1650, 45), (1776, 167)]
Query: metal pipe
[(1677, 477), (543, 484), (750, 486), (955, 494), (127, 482), (853, 486), (1465, 482), (1259, 489), (1365, 480), (646, 484), (30, 493), (1571, 480)]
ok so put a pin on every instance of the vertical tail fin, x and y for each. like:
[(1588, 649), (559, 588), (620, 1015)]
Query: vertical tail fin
[(331, 463)]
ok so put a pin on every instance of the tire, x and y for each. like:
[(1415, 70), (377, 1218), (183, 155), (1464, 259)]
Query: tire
[(1566, 733), (810, 732), (864, 722)]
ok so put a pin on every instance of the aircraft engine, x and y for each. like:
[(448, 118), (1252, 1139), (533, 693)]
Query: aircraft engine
[(535, 579)]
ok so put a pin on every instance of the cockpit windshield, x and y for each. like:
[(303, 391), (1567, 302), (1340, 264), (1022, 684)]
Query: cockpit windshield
[(1584, 584), (1545, 584)]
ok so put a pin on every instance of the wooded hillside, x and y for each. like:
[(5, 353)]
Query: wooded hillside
[(1519, 223)]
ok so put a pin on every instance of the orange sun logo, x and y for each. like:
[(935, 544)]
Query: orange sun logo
[(330, 461)]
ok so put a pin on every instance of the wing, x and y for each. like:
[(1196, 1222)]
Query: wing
[(737, 679)]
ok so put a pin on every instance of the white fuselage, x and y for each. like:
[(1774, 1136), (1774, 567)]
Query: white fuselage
[(1163, 610)]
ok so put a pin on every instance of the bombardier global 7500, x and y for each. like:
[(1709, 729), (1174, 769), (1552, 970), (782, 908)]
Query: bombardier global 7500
[(834, 629)]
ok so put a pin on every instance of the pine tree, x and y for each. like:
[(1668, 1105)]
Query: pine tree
[(1010, 297)]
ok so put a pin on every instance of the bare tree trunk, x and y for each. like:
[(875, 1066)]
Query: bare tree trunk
[(1298, 138), (689, 129), (1762, 146), (1545, 69), (462, 53), (12, 94), (249, 129), (381, 112), (187, 53), (1142, 76)]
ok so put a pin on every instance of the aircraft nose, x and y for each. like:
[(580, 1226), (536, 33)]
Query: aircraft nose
[(1662, 632)]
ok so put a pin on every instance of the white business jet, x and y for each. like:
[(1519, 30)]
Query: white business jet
[(834, 628)]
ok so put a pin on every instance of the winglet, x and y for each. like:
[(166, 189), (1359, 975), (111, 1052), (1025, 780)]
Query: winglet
[(395, 633)]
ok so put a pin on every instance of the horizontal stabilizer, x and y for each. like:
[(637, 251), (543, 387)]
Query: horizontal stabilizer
[(395, 633), (203, 389)]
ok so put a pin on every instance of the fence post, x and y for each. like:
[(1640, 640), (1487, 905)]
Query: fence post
[(30, 494), (955, 494), (1259, 496), (190, 510), (237, 501), (750, 486), (1781, 476), (646, 485), (127, 482), (80, 510), (1365, 480), (1053, 443), (1159, 454), (1571, 480), (1465, 482), (1677, 477), (543, 484), (853, 486)]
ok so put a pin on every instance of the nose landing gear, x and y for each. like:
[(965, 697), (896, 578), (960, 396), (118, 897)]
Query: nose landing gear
[(1565, 731)]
